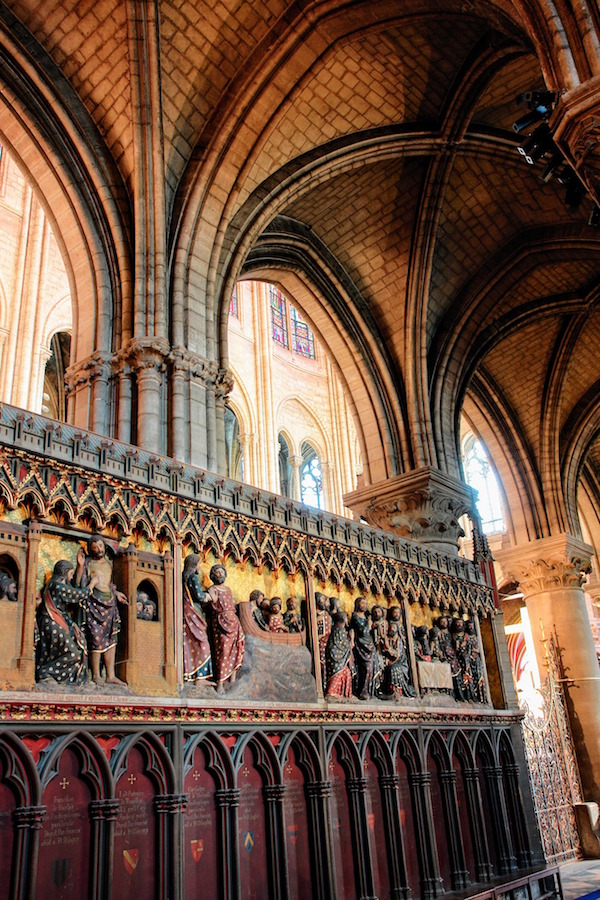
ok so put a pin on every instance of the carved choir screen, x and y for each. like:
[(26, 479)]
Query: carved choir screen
[(552, 766), (216, 690)]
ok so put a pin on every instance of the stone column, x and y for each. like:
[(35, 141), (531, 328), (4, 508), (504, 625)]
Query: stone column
[(26, 660), (516, 816), (481, 852), (296, 464), (228, 800), (399, 888), (431, 879), (149, 381), (103, 814), (356, 788), (319, 813), (167, 807), (550, 572), (499, 819), (458, 869), (423, 505), (277, 857), (28, 820)]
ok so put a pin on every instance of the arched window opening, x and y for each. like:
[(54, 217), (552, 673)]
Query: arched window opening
[(235, 456), (311, 477), (279, 329), (234, 309), (285, 468), (303, 342), (54, 401), (481, 476)]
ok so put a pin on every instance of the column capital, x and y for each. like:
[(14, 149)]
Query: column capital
[(576, 130), (547, 564), (104, 809), (423, 505)]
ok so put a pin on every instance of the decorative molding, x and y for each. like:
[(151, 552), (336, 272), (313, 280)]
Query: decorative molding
[(57, 465), (20, 710)]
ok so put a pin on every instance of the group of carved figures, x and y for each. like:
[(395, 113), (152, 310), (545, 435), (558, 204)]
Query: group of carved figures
[(213, 639), (365, 657), (268, 616), (78, 620), (77, 617), (454, 642)]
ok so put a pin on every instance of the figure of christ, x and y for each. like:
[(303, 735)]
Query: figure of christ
[(197, 663), (225, 628), (103, 620)]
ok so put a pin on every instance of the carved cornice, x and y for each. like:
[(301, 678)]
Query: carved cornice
[(56, 713), (88, 475), (424, 505), (555, 563)]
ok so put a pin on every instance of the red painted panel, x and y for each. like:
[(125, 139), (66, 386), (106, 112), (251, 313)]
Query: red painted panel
[(439, 823), (254, 877), (135, 870), (296, 830), (407, 823), (201, 845), (340, 826), (463, 812), (63, 863), (7, 805), (376, 829)]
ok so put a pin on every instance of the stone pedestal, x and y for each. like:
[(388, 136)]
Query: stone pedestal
[(550, 572), (423, 505)]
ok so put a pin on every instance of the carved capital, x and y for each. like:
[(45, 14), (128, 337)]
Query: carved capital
[(273, 792), (104, 809), (576, 126), (424, 505), (98, 366), (319, 790), (170, 803), (29, 816), (548, 564)]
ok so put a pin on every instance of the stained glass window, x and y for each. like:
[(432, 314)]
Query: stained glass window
[(303, 342), (233, 304), (480, 475), (311, 478), (278, 316)]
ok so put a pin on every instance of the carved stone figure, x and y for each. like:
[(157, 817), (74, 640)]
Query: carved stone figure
[(227, 637), (292, 619), (396, 675), (475, 663), (422, 647), (255, 599), (379, 628), (8, 588), (60, 645), (276, 622), (364, 651), (323, 630), (197, 663), (103, 621), (459, 664), (337, 659)]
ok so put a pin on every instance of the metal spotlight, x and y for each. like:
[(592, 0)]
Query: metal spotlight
[(528, 120)]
